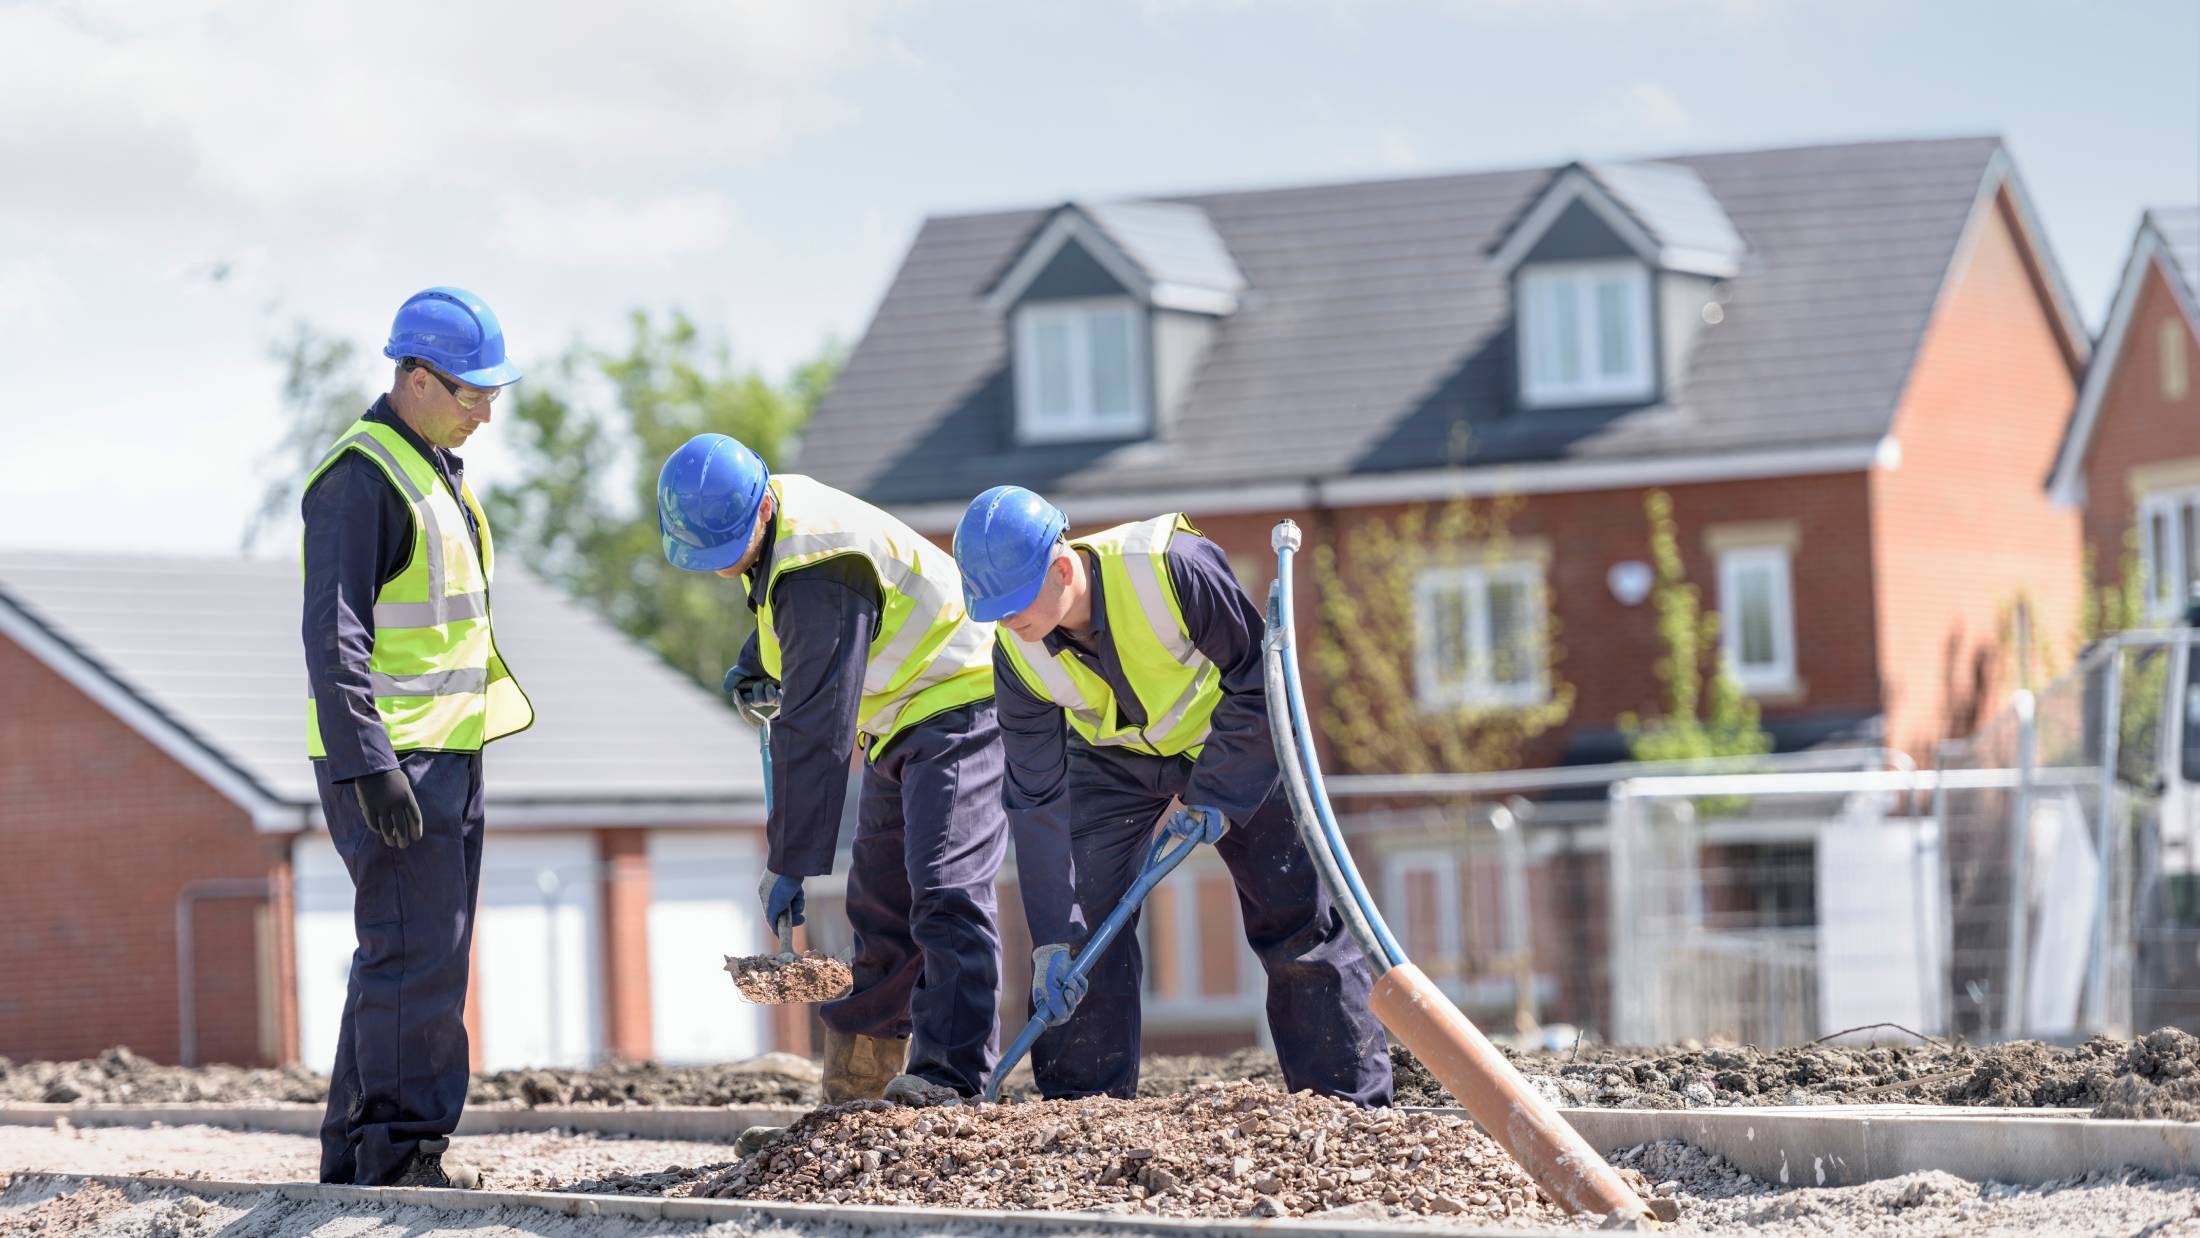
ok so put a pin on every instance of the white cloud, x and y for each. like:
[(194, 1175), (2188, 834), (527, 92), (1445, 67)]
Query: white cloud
[(596, 230), (1640, 113), (278, 105), (32, 293)]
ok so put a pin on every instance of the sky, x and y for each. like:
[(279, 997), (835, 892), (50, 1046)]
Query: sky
[(762, 164)]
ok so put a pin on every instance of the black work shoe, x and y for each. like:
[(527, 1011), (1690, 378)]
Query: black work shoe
[(430, 1167)]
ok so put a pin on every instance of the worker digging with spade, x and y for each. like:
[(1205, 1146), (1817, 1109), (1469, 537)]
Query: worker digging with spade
[(1127, 675), (862, 637)]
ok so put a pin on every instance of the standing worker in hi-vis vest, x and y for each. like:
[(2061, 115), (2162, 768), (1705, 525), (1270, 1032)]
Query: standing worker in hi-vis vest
[(406, 687), (1128, 676), (860, 630)]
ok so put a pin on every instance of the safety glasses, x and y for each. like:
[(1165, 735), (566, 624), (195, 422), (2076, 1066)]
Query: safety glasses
[(467, 397)]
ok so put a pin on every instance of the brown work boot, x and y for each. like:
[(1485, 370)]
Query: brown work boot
[(859, 1067), (430, 1167)]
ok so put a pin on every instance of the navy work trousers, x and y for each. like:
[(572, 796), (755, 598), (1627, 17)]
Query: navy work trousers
[(401, 1056), (1318, 981), (930, 836)]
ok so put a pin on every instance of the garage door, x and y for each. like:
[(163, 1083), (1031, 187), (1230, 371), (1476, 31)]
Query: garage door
[(325, 942), (540, 937), (702, 908)]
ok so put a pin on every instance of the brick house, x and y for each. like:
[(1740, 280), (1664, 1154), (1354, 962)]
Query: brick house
[(1849, 367), (171, 886), (2131, 462)]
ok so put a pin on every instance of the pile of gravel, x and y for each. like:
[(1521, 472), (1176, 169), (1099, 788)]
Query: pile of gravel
[(1218, 1150)]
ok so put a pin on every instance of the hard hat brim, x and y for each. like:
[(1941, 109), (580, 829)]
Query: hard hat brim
[(995, 609), (502, 374), (705, 558)]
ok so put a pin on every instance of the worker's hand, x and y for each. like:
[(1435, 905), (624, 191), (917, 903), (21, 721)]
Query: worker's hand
[(386, 800), (755, 695), (1055, 987), (1195, 821), (782, 899)]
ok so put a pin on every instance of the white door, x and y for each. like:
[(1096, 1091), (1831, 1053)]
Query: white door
[(702, 907), (540, 938), (324, 941)]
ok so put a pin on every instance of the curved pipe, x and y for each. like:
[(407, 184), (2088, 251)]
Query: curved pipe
[(1286, 543), (1302, 799)]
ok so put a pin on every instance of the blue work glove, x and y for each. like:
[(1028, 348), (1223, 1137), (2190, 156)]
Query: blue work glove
[(1196, 821), (782, 898), (1055, 988), (752, 693)]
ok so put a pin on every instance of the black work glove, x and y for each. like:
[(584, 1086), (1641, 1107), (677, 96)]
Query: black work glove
[(391, 811)]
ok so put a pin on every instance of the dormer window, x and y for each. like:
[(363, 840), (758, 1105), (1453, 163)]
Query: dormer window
[(1607, 263), (1081, 370), (1109, 308), (1585, 333)]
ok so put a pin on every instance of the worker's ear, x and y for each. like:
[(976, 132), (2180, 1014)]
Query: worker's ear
[(765, 509)]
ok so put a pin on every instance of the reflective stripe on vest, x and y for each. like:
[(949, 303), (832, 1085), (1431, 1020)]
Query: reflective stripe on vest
[(928, 655), (1177, 686), (438, 680)]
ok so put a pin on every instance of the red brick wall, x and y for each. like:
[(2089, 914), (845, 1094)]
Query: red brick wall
[(1964, 527), (102, 831), (1609, 651), (2138, 424)]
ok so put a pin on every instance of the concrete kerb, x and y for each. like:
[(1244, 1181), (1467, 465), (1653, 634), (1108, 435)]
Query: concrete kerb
[(1819, 1145), (695, 1122), (840, 1218)]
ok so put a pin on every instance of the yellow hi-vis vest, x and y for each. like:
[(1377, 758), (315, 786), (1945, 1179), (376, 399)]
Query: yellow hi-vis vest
[(438, 682), (1176, 685), (929, 655)]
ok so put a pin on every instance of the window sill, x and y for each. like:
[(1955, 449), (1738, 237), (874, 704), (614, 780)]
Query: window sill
[(1490, 704), (1777, 692)]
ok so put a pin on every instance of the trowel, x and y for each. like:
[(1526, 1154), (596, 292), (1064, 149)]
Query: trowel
[(786, 977)]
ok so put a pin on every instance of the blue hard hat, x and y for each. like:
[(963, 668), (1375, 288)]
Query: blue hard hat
[(708, 495), (1003, 544), (454, 331)]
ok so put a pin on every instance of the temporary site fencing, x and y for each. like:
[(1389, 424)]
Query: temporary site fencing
[(2038, 880)]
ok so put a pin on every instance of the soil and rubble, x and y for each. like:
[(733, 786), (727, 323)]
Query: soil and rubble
[(2154, 1076), (776, 979), (121, 1077)]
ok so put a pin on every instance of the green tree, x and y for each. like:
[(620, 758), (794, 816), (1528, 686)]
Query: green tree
[(1705, 714), (321, 394), (1366, 646), (590, 441)]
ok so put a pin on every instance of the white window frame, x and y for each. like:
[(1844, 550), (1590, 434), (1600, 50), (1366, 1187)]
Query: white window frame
[(1779, 676), (1083, 421), (2165, 569), (1544, 390), (1438, 690)]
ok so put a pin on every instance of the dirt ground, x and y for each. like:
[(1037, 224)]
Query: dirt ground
[(2154, 1076)]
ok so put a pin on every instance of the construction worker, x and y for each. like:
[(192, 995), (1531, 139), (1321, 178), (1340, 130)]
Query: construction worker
[(1127, 675), (406, 687), (861, 635)]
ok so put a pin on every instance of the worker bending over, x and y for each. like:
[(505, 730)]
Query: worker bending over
[(860, 624), (1127, 672)]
